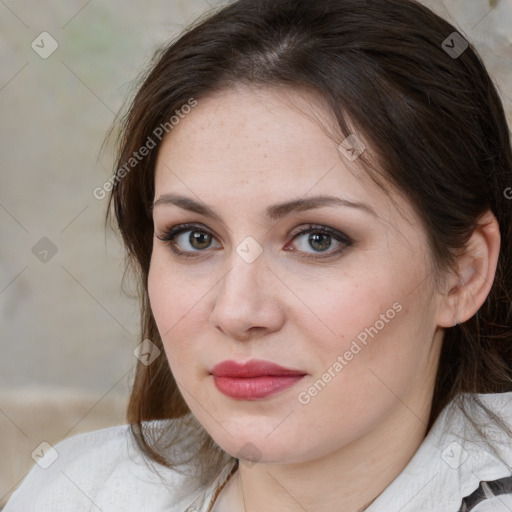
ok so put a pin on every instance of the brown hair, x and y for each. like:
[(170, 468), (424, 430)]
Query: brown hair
[(382, 65)]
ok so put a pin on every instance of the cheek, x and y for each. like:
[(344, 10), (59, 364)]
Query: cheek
[(172, 297), (160, 297), (365, 328), (353, 308), (176, 307)]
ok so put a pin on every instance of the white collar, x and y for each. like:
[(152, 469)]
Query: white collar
[(453, 459)]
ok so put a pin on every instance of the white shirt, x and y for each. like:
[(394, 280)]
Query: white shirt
[(104, 471)]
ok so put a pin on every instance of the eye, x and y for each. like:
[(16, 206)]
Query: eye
[(321, 239), (191, 238)]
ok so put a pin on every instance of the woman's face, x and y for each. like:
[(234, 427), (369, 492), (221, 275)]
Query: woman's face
[(339, 290)]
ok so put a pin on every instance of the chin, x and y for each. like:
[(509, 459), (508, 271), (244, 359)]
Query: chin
[(258, 443)]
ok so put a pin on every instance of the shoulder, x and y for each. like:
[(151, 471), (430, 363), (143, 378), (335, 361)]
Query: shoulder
[(483, 439), (98, 470), (497, 402), (487, 420), (463, 464)]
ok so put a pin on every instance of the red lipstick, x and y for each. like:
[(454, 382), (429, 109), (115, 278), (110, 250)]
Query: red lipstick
[(253, 380)]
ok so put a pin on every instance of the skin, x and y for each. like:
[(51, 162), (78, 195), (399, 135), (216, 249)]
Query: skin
[(238, 152)]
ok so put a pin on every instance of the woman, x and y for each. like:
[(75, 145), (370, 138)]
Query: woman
[(314, 195)]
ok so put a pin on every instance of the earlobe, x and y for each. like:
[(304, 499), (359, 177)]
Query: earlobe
[(470, 285)]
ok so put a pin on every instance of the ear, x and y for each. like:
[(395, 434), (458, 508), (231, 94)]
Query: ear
[(467, 289)]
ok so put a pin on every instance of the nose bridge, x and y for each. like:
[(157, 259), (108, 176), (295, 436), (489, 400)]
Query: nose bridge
[(246, 281), (248, 263)]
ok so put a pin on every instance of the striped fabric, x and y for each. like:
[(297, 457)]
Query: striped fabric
[(487, 491)]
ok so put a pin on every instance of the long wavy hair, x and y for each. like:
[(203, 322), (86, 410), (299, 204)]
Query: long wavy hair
[(395, 70)]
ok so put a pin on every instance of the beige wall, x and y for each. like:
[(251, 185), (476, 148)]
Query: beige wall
[(67, 333)]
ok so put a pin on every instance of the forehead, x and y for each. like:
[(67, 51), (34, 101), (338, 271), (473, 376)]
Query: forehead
[(259, 146)]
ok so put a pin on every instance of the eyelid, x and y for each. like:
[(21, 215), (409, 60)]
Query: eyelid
[(344, 240), (171, 233), (319, 228)]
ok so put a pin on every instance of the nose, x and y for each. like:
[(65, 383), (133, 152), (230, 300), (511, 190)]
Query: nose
[(247, 304)]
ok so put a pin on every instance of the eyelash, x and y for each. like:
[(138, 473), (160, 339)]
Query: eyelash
[(170, 234)]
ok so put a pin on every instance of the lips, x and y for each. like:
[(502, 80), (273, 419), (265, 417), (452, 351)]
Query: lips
[(253, 380), (254, 368)]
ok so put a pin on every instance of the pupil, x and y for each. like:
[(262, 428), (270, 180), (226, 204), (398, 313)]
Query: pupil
[(321, 241), (199, 240)]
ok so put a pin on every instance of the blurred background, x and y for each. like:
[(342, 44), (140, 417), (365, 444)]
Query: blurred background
[(68, 331)]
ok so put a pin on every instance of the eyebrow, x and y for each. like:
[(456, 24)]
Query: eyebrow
[(272, 212)]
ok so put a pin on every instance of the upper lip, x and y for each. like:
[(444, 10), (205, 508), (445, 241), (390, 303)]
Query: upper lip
[(253, 368)]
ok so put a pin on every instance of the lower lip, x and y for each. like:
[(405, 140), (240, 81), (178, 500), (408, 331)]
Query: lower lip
[(254, 388)]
